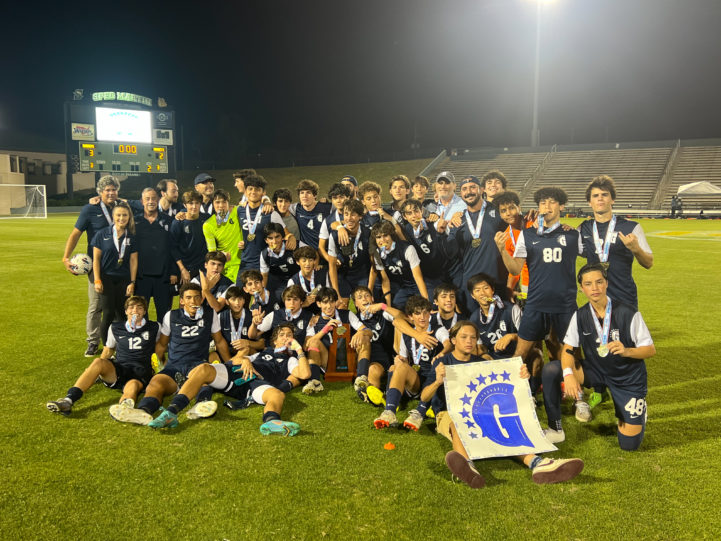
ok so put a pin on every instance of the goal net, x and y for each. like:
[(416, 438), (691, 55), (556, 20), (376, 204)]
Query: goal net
[(23, 201)]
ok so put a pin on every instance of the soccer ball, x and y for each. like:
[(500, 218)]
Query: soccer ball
[(81, 264)]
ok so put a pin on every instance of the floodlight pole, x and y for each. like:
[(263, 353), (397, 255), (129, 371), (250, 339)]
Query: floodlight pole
[(535, 133)]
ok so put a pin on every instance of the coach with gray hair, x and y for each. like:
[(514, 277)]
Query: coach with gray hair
[(93, 218)]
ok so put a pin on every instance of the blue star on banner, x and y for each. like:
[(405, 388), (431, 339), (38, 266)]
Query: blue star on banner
[(465, 414), (473, 435), (506, 376), (481, 380), (470, 424), (493, 376), (471, 387), (466, 400)]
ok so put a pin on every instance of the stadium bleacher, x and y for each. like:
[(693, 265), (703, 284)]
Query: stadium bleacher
[(695, 163)]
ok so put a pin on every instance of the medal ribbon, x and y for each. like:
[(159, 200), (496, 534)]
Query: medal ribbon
[(280, 254), (302, 281), (476, 230), (104, 208), (513, 239), (385, 252), (440, 320), (131, 326), (421, 227), (552, 228), (603, 247), (252, 224), (235, 332), (602, 333), (120, 246)]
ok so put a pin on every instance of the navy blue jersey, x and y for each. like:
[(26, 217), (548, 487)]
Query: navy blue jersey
[(344, 316), (241, 325), (551, 260), (263, 300), (173, 209), (310, 221), (418, 354), (318, 278), (448, 360), (399, 264), (92, 219), (133, 349), (325, 228), (187, 243), (370, 219), (103, 240), (153, 245), (483, 258), (381, 326), (274, 366), (300, 320), (279, 267), (219, 289), (395, 214), (207, 208), (620, 279), (355, 262), (503, 321), (447, 323), (429, 245), (250, 255), (189, 338)]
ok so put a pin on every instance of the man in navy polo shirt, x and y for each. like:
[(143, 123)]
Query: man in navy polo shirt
[(205, 186), (168, 204), (92, 219)]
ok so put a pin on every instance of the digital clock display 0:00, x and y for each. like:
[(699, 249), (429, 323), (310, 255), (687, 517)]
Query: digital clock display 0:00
[(125, 149)]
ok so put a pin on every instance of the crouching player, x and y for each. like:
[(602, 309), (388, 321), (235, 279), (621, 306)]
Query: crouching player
[(133, 342), (185, 333), (238, 379), (412, 370), (615, 342), (320, 336), (464, 336)]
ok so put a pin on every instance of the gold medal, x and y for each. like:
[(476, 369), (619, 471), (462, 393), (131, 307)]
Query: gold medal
[(476, 243), (251, 237), (602, 350), (417, 367), (120, 262), (605, 265)]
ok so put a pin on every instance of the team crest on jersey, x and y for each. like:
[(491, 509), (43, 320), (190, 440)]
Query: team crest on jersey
[(290, 260), (502, 326), (562, 240), (428, 238), (301, 325), (319, 218), (201, 323), (267, 357), (614, 237), (145, 335), (187, 229), (492, 213), (615, 335)]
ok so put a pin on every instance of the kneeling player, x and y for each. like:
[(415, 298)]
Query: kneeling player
[(319, 336), (615, 341), (412, 370), (133, 343), (238, 379), (464, 337)]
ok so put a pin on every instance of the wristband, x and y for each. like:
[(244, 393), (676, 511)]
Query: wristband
[(313, 349), (567, 372), (327, 328), (384, 306)]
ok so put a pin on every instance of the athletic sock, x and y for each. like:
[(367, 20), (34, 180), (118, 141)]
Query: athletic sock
[(271, 416), (556, 425), (393, 397), (205, 393), (315, 372), (422, 407), (149, 404), (75, 394), (535, 462), (285, 386), (552, 376), (362, 367), (179, 403)]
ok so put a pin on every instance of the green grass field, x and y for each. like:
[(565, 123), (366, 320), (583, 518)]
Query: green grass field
[(88, 477)]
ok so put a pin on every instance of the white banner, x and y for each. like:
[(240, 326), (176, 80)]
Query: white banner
[(492, 409)]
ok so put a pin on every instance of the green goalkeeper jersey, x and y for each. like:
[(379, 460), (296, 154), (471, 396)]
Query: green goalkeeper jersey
[(225, 237)]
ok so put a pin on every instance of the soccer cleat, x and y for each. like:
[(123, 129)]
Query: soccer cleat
[(595, 399), (155, 363), (359, 386), (202, 410), (375, 396), (554, 436), (583, 411), (62, 405), (313, 386), (92, 349), (413, 421), (430, 413), (166, 419), (557, 470), (282, 428), (124, 414), (386, 419), (128, 403), (463, 470)]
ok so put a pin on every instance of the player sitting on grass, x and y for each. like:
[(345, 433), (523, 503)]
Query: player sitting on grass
[(464, 337), (293, 298), (615, 342), (444, 297), (238, 379), (277, 263), (412, 370), (185, 334), (283, 364), (132, 342), (320, 336), (309, 277)]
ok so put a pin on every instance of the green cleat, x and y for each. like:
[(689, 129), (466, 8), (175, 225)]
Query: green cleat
[(375, 396), (595, 399), (166, 419), (282, 428)]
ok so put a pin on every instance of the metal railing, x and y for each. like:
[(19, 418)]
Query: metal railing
[(663, 183)]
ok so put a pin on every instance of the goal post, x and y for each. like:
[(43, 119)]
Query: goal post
[(23, 201)]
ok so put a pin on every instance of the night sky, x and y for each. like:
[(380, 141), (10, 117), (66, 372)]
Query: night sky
[(325, 77)]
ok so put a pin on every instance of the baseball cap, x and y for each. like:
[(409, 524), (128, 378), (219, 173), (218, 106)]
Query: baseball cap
[(351, 179), (446, 175), (472, 179), (202, 177)]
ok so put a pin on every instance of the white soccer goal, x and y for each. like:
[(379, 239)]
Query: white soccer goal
[(23, 201)]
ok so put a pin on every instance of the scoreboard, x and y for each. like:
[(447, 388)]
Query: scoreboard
[(123, 157)]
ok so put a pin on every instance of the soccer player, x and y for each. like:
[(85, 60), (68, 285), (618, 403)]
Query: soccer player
[(429, 244), (222, 233), (349, 264), (115, 265), (235, 322), (213, 283), (494, 184), (419, 189), (399, 187), (187, 243), (93, 218), (185, 334), (237, 379), (509, 207), (550, 252), (252, 224), (615, 341), (309, 212), (412, 370), (277, 263), (168, 204), (205, 185), (124, 364), (338, 195), (614, 241), (464, 336), (282, 199), (398, 264), (352, 184), (444, 297), (293, 299), (157, 273), (319, 336), (261, 298), (370, 195), (239, 181), (310, 278)]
